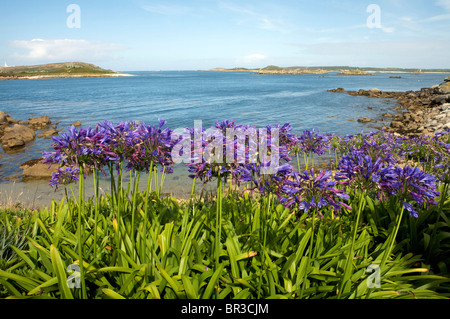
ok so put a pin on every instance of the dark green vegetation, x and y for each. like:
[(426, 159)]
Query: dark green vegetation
[(54, 69), (262, 250)]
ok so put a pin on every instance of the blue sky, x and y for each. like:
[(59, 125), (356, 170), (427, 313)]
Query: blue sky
[(201, 34)]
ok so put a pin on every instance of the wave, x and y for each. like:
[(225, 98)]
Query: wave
[(287, 94)]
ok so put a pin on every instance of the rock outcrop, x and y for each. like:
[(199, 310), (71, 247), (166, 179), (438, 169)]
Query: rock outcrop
[(16, 136), (423, 112), (35, 169), (39, 123)]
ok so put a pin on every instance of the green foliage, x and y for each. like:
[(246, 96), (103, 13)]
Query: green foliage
[(56, 69), (138, 245)]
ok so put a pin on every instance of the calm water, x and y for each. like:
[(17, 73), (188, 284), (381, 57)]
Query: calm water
[(182, 97)]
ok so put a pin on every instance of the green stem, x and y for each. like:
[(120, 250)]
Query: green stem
[(156, 178), (350, 256), (133, 209), (96, 186), (263, 235), (113, 187), (120, 188), (387, 253), (306, 160), (218, 234), (439, 211), (311, 247), (163, 177), (192, 196), (218, 220), (149, 185), (80, 231)]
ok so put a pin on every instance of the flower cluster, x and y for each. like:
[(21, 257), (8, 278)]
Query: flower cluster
[(309, 191), (359, 171), (64, 176), (265, 183), (409, 184), (141, 147), (260, 158), (230, 150), (311, 141), (413, 185)]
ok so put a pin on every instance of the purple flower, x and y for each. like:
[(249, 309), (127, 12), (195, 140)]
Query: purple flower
[(307, 191), (414, 185), (234, 150), (136, 145), (64, 176), (264, 183), (410, 209), (146, 145), (313, 142), (359, 171)]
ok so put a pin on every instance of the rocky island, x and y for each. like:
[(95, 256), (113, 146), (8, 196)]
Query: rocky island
[(354, 72), (272, 69), (321, 70), (56, 70)]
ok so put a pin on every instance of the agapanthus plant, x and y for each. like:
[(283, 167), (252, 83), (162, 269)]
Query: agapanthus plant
[(308, 191), (360, 172), (64, 176), (264, 183), (413, 186), (439, 163), (84, 147), (287, 139), (378, 148), (149, 146), (227, 149), (309, 143), (138, 146)]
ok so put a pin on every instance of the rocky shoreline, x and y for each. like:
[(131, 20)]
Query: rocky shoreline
[(292, 72), (15, 135), (424, 112)]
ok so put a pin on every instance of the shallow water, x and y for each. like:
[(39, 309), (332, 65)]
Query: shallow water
[(183, 97)]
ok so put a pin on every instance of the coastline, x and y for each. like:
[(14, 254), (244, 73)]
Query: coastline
[(321, 70), (419, 113), (75, 76)]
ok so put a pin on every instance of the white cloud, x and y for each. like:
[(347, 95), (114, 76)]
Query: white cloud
[(437, 18), (37, 50), (444, 4), (388, 29), (251, 59), (406, 19), (255, 57), (256, 19)]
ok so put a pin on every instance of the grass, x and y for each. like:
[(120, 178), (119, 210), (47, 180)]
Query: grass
[(238, 247)]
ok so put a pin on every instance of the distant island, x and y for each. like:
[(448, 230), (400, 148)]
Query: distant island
[(56, 70), (341, 70)]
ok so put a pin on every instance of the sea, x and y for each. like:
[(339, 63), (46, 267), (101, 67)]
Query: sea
[(182, 97)]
